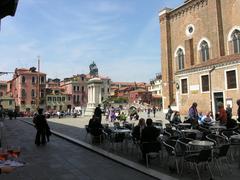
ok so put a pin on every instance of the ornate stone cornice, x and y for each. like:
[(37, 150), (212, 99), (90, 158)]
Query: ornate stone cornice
[(184, 9), (199, 69)]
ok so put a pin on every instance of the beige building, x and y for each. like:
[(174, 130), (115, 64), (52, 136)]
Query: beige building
[(5, 100), (155, 88), (56, 97), (200, 46)]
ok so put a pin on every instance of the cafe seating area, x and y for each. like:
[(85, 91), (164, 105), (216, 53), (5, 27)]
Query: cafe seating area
[(179, 149)]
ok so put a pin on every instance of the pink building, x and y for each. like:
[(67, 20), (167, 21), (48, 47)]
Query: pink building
[(28, 89), (77, 87)]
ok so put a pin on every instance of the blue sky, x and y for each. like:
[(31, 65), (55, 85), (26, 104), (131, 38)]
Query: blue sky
[(121, 36)]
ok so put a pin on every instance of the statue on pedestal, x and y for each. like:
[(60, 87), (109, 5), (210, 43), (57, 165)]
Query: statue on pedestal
[(93, 70)]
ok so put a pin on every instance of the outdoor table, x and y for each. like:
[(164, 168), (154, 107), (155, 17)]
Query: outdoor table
[(201, 143), (190, 131), (236, 137), (184, 125), (121, 130), (216, 128), (158, 127)]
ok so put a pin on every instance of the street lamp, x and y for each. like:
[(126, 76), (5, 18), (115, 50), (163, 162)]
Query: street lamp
[(210, 86)]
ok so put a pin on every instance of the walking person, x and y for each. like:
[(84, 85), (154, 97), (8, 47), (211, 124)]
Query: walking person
[(41, 125), (148, 112), (154, 111), (169, 113)]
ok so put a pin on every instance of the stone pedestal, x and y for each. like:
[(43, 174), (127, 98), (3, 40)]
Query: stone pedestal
[(94, 95)]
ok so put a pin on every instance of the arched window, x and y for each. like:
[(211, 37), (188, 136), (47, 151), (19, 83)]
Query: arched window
[(23, 79), (236, 41), (23, 93), (33, 93), (204, 51), (180, 59)]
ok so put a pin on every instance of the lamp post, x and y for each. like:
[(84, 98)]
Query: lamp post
[(210, 86)]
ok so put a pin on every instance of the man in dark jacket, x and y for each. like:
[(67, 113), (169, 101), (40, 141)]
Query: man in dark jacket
[(41, 125), (98, 112), (149, 133), (149, 136)]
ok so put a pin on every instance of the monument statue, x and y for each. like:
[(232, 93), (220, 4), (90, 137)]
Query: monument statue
[(93, 70)]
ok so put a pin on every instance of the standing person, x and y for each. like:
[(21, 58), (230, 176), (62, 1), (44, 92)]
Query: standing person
[(229, 112), (98, 112), (169, 113), (40, 124), (154, 111), (238, 111), (193, 115), (222, 115), (149, 111)]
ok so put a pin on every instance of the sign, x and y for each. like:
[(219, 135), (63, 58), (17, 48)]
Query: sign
[(194, 88)]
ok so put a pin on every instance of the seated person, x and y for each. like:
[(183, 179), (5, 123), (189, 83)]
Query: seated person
[(123, 117), (95, 126), (149, 133), (176, 118), (137, 130), (207, 119)]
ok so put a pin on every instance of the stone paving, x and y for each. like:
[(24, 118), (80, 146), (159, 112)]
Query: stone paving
[(74, 127), (60, 159)]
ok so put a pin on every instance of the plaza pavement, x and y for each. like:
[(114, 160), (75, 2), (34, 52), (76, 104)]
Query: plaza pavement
[(64, 160), (74, 127), (60, 159)]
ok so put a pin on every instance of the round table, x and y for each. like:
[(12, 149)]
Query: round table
[(218, 127), (184, 124), (201, 143), (191, 131), (121, 130), (235, 137)]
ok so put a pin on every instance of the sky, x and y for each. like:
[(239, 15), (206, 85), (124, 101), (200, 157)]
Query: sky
[(121, 36)]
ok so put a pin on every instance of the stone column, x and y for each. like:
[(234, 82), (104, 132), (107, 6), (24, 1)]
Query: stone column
[(94, 94)]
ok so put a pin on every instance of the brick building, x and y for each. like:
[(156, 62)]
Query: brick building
[(200, 46)]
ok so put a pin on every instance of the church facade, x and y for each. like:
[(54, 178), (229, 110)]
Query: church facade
[(200, 54)]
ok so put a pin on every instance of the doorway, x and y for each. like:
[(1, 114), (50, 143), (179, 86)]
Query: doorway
[(218, 97)]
